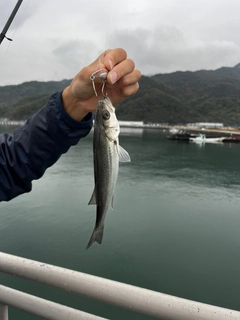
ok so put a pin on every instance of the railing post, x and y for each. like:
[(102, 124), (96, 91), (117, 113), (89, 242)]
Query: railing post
[(3, 312)]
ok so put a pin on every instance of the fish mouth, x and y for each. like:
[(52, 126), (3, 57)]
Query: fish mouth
[(103, 106)]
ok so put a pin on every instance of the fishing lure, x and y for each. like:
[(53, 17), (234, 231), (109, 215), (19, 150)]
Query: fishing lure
[(101, 74)]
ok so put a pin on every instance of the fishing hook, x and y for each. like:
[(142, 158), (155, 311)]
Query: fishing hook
[(101, 74)]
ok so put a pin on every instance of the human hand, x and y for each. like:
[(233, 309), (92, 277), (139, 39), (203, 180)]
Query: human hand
[(122, 81)]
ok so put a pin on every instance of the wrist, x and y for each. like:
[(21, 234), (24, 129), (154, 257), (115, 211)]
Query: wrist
[(72, 106)]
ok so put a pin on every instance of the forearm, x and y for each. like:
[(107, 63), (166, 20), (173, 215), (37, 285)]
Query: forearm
[(36, 146)]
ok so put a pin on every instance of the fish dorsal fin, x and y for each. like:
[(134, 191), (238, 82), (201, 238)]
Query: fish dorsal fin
[(123, 155)]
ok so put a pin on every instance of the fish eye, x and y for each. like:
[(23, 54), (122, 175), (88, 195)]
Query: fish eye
[(105, 115)]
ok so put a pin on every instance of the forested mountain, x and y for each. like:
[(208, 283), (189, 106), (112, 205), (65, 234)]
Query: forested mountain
[(179, 97), (18, 102)]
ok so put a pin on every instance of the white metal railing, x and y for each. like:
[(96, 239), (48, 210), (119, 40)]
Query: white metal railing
[(38, 306), (129, 297)]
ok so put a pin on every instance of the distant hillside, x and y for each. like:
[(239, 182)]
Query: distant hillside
[(18, 102), (179, 97)]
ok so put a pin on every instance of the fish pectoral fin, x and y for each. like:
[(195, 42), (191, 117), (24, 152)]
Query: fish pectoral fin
[(112, 201), (93, 199), (123, 155)]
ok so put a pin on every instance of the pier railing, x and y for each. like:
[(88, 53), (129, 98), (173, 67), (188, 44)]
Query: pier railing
[(152, 303)]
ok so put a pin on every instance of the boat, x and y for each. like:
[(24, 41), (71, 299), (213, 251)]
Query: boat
[(173, 131), (180, 135), (201, 138), (232, 138)]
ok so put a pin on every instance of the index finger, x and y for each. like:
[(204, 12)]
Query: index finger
[(120, 70), (108, 59), (113, 56)]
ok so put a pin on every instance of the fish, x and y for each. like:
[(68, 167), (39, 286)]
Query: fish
[(107, 153)]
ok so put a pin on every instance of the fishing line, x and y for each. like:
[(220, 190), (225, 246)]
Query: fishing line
[(1, 61), (110, 24), (110, 31), (16, 29)]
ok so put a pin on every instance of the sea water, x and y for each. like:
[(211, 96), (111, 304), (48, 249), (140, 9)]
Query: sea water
[(175, 226)]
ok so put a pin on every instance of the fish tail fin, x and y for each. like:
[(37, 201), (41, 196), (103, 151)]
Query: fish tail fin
[(97, 236)]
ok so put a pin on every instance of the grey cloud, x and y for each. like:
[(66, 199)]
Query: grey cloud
[(72, 53), (160, 36), (166, 49)]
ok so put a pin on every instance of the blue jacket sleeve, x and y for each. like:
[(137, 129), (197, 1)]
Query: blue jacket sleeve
[(37, 145)]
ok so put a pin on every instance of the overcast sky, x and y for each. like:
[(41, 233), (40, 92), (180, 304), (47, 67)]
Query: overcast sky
[(54, 39)]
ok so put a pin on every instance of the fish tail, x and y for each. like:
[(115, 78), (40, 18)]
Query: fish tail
[(97, 236)]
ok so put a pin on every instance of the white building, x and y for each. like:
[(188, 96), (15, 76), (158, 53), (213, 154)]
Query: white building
[(130, 123), (206, 125)]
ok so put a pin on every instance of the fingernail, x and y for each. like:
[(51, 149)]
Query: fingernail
[(114, 77)]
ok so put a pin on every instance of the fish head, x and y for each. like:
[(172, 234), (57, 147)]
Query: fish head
[(107, 117)]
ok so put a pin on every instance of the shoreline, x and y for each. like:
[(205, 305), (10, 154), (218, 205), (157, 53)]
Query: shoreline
[(224, 131), (213, 131)]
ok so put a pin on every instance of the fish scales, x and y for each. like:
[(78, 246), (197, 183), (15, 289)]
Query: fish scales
[(107, 154)]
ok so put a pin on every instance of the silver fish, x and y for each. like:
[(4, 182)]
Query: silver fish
[(107, 154)]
